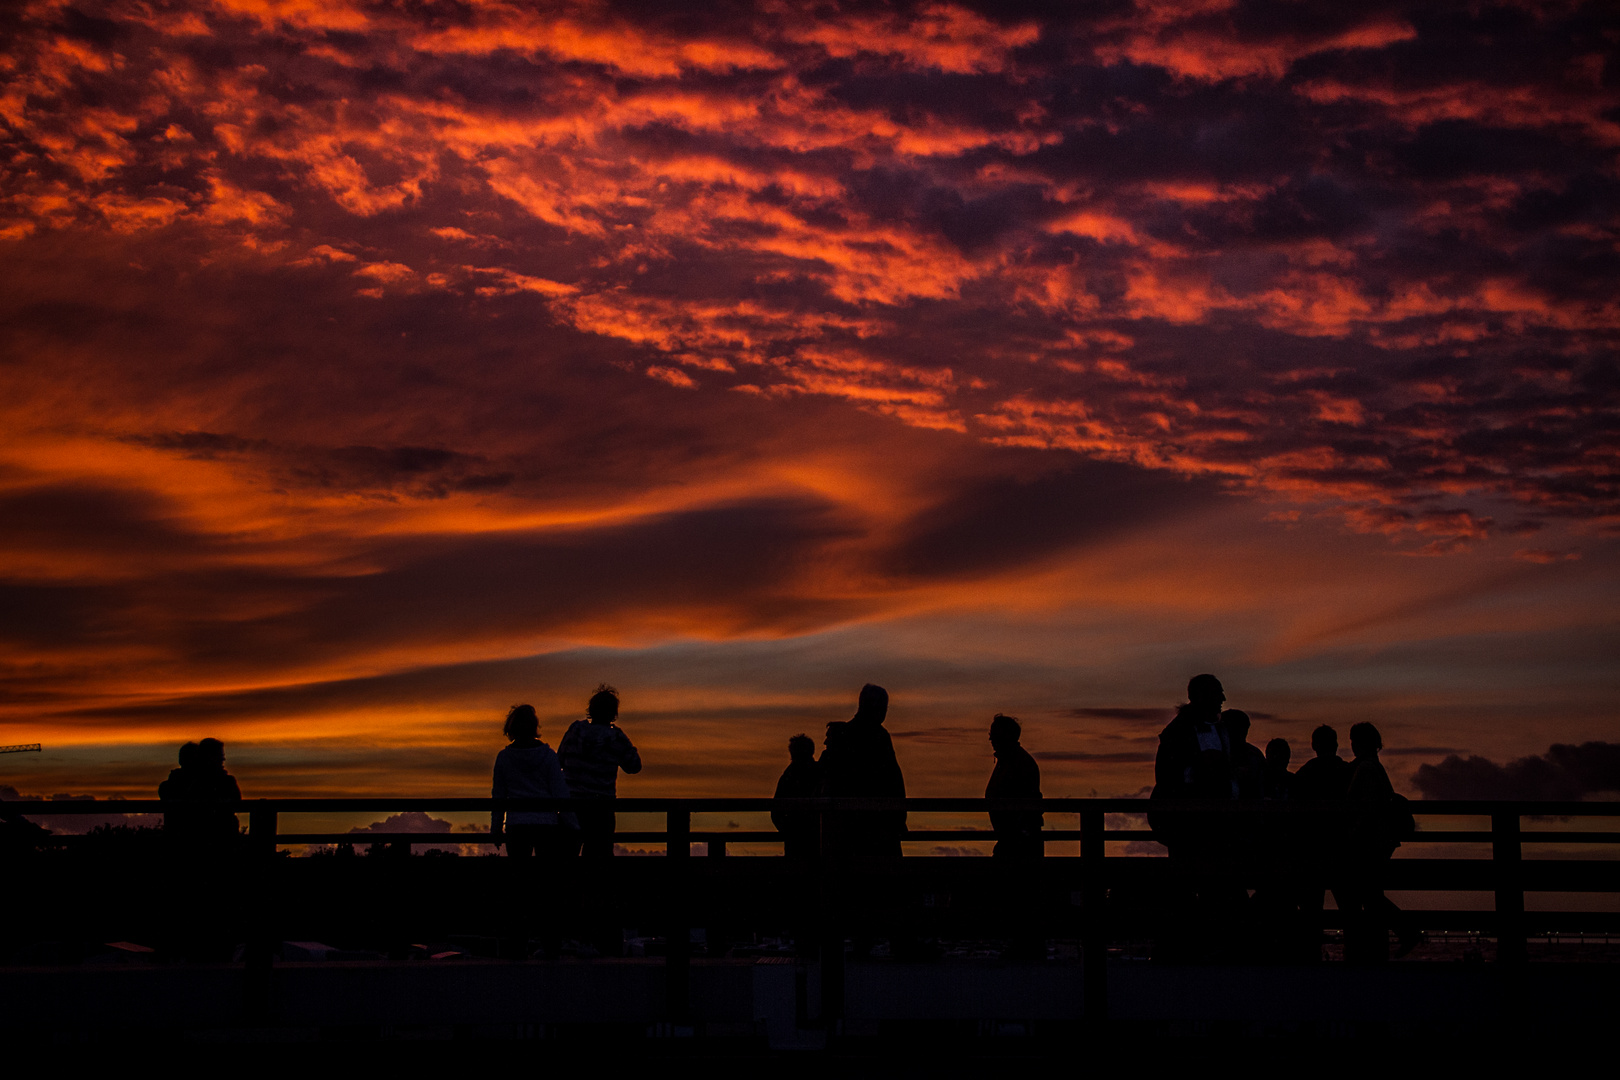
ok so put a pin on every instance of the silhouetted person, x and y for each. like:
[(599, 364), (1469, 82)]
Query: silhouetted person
[(1248, 762), (1246, 834), (529, 769), (1193, 761), (201, 779), (800, 829), (1325, 779), (204, 845), (859, 762), (1370, 843), (1276, 781), (1016, 776), (540, 840), (593, 751), (1276, 882)]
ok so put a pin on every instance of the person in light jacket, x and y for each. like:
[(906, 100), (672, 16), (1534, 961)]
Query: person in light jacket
[(529, 769)]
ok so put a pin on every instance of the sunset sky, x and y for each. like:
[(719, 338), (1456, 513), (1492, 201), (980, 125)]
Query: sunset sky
[(368, 367)]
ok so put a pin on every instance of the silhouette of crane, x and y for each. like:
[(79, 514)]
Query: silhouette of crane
[(22, 748)]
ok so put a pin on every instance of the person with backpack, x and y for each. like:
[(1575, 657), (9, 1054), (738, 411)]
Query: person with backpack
[(1379, 821)]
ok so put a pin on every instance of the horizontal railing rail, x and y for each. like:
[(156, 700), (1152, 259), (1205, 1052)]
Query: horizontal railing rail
[(723, 804)]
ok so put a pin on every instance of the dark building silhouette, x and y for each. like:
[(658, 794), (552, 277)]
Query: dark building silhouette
[(800, 829), (592, 752), (1016, 776)]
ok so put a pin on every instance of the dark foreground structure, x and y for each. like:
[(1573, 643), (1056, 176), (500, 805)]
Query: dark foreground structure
[(771, 954)]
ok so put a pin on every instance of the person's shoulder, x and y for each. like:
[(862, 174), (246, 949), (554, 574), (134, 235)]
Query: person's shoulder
[(1178, 723)]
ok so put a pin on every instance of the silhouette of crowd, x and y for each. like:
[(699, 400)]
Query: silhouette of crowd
[(1242, 881)]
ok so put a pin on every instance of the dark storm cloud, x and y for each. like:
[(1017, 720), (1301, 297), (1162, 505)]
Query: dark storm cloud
[(731, 568), (421, 471), (1007, 520), (1565, 773)]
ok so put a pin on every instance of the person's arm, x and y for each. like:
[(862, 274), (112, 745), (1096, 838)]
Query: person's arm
[(497, 790), (1169, 764), (567, 746), (629, 759)]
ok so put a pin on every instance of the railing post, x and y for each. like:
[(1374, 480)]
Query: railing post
[(1506, 856), (830, 925), (1093, 924), (260, 904), (678, 951)]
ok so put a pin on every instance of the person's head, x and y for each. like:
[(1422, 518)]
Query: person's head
[(1365, 740), (190, 756), (801, 747), (603, 708), (1325, 741), (211, 754), (1005, 731), (1278, 754), (1205, 691), (837, 731), (874, 703), (521, 723), (1237, 722)]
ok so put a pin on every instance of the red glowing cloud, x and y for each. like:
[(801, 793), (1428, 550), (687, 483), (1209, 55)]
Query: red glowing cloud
[(365, 335)]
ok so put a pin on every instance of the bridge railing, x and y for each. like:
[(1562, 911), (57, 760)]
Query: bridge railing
[(265, 816), (1506, 874)]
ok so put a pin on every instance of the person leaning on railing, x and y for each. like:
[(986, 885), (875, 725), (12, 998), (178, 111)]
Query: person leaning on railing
[(800, 829)]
